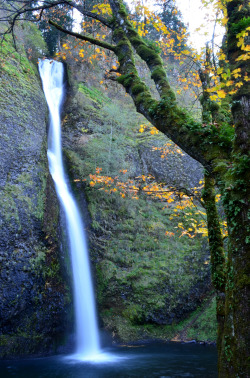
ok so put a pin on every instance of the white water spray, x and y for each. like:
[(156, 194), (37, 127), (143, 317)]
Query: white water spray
[(87, 337)]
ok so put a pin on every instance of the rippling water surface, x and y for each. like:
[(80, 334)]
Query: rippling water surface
[(154, 360)]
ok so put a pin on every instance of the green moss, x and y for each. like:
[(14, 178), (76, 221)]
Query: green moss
[(94, 94), (148, 55), (123, 11), (137, 88), (125, 80), (158, 73), (240, 26), (204, 327), (200, 326)]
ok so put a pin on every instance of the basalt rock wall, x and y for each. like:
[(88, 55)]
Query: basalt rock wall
[(35, 298)]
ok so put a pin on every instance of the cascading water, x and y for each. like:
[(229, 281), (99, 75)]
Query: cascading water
[(87, 337)]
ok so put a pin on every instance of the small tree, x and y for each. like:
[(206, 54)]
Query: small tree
[(220, 146)]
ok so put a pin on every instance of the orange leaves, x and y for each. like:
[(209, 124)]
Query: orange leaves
[(185, 232), (168, 148), (192, 218), (81, 53), (170, 234), (141, 184), (154, 131), (148, 127)]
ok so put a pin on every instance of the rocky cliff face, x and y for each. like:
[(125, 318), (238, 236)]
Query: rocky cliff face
[(144, 280), (33, 295)]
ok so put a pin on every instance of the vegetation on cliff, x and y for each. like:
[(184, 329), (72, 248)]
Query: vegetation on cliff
[(148, 278), (34, 288)]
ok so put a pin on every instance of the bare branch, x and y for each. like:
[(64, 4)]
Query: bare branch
[(94, 41)]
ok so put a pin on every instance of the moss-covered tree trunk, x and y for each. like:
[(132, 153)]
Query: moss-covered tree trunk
[(235, 342), (217, 255)]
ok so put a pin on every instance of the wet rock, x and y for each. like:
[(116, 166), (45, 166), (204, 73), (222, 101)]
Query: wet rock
[(32, 318)]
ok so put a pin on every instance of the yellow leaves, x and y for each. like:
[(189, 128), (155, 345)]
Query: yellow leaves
[(66, 46), (224, 21), (186, 52), (103, 9), (221, 93), (242, 37), (236, 73), (222, 57), (244, 33), (142, 128), (220, 70), (193, 219), (202, 231), (239, 84), (217, 197), (146, 127), (243, 57), (213, 97), (98, 50), (229, 82), (101, 82)]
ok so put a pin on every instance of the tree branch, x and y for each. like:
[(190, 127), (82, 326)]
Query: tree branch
[(191, 135), (94, 41)]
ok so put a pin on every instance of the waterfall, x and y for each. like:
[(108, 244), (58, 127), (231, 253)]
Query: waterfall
[(87, 337)]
